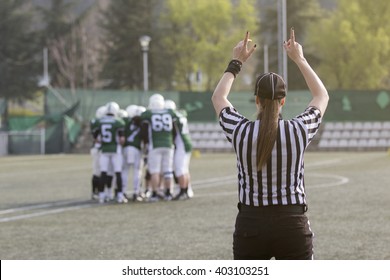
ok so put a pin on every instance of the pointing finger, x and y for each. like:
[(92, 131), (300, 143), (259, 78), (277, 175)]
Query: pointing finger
[(252, 50), (292, 34), (246, 38)]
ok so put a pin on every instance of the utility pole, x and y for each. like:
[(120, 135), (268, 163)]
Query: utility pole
[(282, 36)]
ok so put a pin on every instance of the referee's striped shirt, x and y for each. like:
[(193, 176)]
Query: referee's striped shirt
[(281, 180)]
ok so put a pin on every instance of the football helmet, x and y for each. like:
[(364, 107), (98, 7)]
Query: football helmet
[(156, 102), (122, 114), (170, 104), (140, 110), (131, 110), (112, 108), (100, 112)]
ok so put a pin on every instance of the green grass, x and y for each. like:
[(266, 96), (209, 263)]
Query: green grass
[(348, 196)]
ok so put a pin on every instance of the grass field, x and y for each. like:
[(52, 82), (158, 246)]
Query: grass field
[(46, 212)]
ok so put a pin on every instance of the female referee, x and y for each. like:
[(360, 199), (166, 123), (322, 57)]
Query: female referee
[(271, 221)]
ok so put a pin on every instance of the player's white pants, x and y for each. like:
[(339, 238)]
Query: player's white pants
[(95, 154), (160, 160), (114, 158), (181, 162), (132, 159)]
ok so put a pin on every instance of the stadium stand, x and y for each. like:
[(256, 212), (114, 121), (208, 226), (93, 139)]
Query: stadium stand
[(208, 137), (333, 136), (355, 136)]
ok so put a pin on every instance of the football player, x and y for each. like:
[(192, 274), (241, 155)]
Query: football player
[(95, 152), (157, 132), (111, 131), (182, 154), (132, 151)]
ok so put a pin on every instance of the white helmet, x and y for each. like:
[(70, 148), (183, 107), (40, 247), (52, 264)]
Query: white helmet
[(122, 114), (100, 112), (156, 102), (170, 104), (131, 110), (112, 108), (140, 110)]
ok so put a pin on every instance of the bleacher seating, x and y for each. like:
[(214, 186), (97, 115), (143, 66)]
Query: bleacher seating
[(354, 136), (332, 136), (209, 137)]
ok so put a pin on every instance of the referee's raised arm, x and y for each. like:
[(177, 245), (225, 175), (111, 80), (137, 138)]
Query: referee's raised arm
[(316, 87), (240, 54), (271, 220)]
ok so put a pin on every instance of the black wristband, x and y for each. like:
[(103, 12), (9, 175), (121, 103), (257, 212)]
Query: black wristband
[(234, 67)]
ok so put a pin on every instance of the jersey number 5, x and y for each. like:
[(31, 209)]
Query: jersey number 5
[(106, 133)]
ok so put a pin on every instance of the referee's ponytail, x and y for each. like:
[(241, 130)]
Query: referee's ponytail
[(268, 116), (270, 89)]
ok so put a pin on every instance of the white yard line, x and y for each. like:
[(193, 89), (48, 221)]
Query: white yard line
[(339, 180), (54, 169), (43, 213), (213, 182), (200, 184), (38, 206)]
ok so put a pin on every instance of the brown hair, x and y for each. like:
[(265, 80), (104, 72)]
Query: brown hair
[(268, 131)]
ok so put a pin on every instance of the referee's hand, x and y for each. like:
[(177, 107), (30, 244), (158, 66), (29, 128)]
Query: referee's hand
[(293, 48), (241, 51)]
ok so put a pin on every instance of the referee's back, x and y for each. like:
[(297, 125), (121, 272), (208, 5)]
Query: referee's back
[(281, 180)]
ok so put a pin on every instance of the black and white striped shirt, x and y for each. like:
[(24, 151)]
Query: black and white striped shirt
[(281, 181)]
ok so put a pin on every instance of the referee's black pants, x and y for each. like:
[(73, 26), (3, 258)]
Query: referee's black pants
[(282, 232)]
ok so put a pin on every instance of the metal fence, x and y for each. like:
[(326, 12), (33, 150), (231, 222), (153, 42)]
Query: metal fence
[(22, 142)]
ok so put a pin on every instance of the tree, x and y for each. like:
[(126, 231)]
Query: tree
[(202, 34), (300, 14), (123, 23), (58, 23), (353, 44), (18, 51), (73, 50)]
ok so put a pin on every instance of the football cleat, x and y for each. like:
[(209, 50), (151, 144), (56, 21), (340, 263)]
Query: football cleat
[(137, 198), (121, 198), (102, 197), (190, 192), (182, 195), (154, 198)]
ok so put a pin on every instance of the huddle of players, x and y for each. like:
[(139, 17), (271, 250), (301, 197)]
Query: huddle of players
[(156, 140)]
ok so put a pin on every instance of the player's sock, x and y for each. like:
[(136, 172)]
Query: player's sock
[(95, 184), (109, 181), (118, 182)]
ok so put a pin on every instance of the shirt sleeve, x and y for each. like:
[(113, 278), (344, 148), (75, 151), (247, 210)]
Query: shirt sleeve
[(311, 120), (229, 118)]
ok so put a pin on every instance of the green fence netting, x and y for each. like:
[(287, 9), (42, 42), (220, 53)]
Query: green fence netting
[(66, 113), (61, 132), (343, 105), (21, 123)]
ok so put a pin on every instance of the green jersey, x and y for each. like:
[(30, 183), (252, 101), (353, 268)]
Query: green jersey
[(132, 132), (109, 129), (160, 127), (93, 127), (182, 130)]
